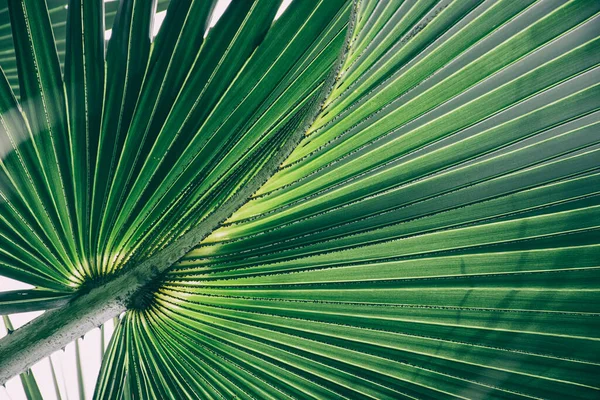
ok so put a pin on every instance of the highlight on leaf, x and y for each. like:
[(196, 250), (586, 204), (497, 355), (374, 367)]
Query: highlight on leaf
[(308, 199)]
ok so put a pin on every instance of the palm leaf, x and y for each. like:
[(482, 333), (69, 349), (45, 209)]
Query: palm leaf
[(58, 12), (405, 195)]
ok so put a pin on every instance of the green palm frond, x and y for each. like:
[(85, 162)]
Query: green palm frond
[(58, 12), (375, 199)]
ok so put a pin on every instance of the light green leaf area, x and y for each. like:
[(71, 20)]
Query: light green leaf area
[(434, 234), (125, 159)]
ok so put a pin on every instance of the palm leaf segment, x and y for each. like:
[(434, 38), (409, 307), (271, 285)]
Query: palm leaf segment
[(434, 234)]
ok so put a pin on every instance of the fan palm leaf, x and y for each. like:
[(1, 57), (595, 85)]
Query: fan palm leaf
[(361, 199)]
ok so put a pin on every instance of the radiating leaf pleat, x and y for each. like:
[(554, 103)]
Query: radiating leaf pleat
[(434, 235), (126, 62), (58, 11), (84, 84), (256, 110)]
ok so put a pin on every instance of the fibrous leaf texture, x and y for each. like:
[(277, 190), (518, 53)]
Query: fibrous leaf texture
[(431, 231)]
